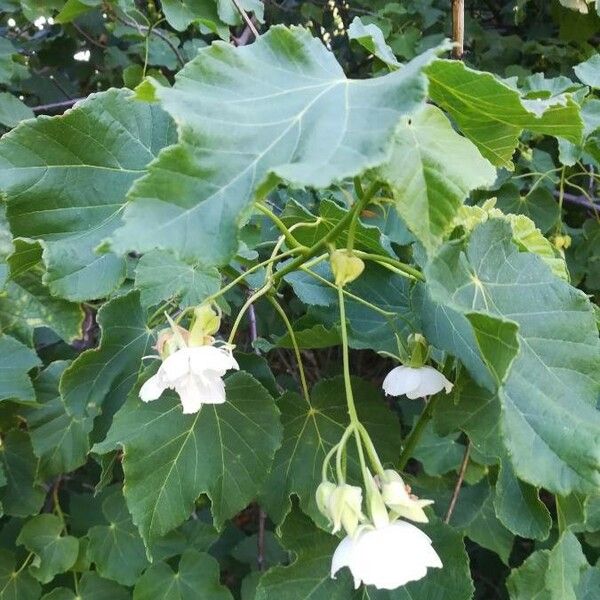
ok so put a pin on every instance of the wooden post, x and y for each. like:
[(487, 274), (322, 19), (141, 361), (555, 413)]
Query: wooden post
[(458, 28)]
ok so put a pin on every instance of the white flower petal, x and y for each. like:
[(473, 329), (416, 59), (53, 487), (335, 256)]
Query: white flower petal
[(152, 389), (387, 557), (195, 391), (432, 382), (175, 366), (401, 380), (342, 557), (212, 359)]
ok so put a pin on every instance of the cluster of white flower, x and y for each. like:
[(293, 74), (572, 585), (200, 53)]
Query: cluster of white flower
[(381, 547)]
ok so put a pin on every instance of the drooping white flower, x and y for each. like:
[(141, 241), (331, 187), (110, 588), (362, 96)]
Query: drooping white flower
[(195, 373), (415, 382), (386, 557), (341, 504), (398, 497)]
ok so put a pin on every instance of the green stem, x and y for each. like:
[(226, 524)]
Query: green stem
[(339, 454), (289, 238), (327, 460), (292, 335), (331, 235), (25, 563), (370, 448), (415, 435), (258, 294), (348, 294), (401, 267), (561, 195), (56, 502), (346, 361)]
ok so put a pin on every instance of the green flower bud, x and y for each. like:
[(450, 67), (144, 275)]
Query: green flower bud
[(341, 504), (205, 324), (418, 350), (322, 496), (375, 504), (398, 497), (345, 266)]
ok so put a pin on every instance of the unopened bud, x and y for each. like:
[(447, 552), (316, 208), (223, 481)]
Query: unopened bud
[(341, 504), (376, 506), (418, 350), (562, 242), (322, 496), (170, 340), (206, 323), (345, 266), (398, 497)]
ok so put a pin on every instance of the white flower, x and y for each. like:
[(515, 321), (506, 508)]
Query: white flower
[(397, 495), (341, 504), (386, 557), (195, 374), (415, 382)]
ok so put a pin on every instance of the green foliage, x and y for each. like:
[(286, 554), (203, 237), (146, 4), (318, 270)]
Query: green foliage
[(156, 156)]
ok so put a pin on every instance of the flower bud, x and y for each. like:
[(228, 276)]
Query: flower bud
[(345, 266), (169, 341), (397, 495), (562, 242), (375, 504), (345, 505), (206, 324), (418, 350), (322, 496), (341, 504)]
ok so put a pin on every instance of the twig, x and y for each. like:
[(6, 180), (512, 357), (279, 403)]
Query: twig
[(54, 106), (244, 37), (246, 18), (458, 28), (579, 201), (414, 436), (87, 36), (142, 28), (60, 87), (262, 516), (459, 481)]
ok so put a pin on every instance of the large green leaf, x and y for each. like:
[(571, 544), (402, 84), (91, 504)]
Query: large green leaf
[(27, 302), (550, 574), (22, 496), (589, 71), (100, 378), (309, 575), (549, 387), (431, 171), (54, 553), (519, 507), (452, 582), (59, 439), (16, 360), (391, 312), (12, 110), (493, 114), (93, 587), (13, 585), (280, 109), (160, 276), (116, 548), (170, 458), (310, 429), (477, 412), (370, 37), (66, 178), (197, 577)]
